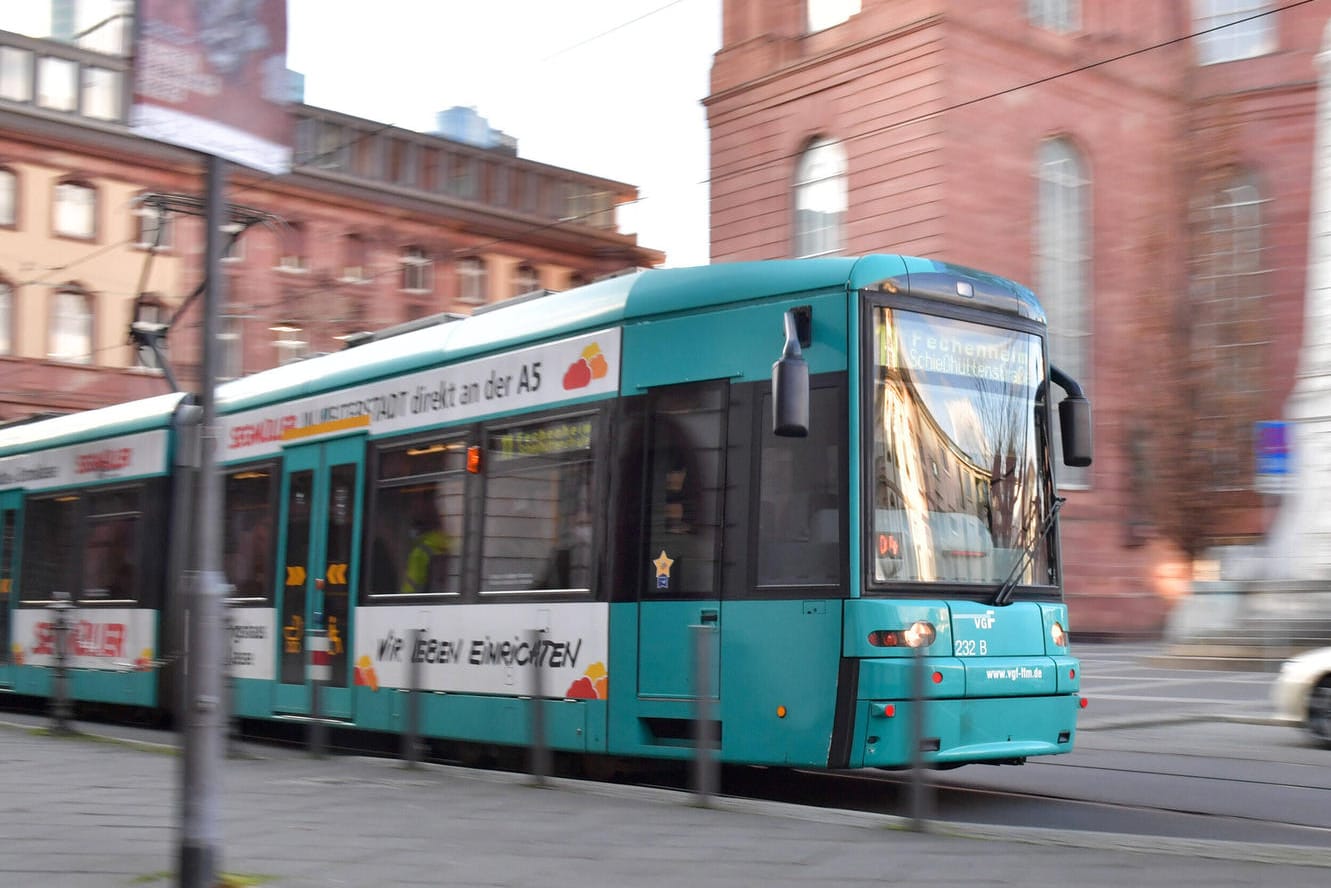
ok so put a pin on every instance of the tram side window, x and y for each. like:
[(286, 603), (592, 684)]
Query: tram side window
[(50, 562), (247, 538), (687, 465), (538, 507), (416, 526), (111, 563), (799, 519), (7, 536)]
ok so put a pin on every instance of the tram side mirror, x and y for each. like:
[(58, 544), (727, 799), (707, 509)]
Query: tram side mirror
[(790, 380), (1074, 420)]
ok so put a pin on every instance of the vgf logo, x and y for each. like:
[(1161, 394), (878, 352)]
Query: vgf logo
[(984, 620)]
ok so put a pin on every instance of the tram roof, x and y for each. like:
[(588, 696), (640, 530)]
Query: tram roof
[(609, 302), (142, 415)]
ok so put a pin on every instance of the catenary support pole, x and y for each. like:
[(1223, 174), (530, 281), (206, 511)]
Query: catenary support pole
[(201, 772)]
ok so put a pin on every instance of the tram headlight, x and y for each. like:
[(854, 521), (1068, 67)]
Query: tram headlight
[(920, 634), (1058, 635)]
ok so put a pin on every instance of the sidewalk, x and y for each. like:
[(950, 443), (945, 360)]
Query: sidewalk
[(102, 811)]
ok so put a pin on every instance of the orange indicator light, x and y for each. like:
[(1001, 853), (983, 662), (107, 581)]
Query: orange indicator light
[(781, 712), (474, 459)]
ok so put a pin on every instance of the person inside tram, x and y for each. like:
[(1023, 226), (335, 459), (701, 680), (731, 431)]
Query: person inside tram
[(430, 546)]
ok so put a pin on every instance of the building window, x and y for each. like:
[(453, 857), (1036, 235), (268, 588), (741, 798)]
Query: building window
[(153, 228), (415, 270), (149, 309), (1062, 241), (8, 198), (71, 327), (1228, 30), (6, 318), (472, 283), (233, 245), (525, 280), (76, 210), (1063, 16), (233, 355), (823, 14), (292, 248), (820, 199), (290, 340), (1228, 323), (57, 84), (15, 74), (354, 261), (101, 93), (403, 159)]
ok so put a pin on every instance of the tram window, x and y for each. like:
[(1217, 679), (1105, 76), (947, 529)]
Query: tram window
[(247, 537), (799, 518), (7, 532), (687, 485), (50, 549), (416, 527), (538, 507), (111, 566)]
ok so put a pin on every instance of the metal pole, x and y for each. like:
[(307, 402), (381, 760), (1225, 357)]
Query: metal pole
[(918, 790), (200, 834), (317, 645), (411, 740), (704, 763), (232, 723), (540, 750), (62, 709)]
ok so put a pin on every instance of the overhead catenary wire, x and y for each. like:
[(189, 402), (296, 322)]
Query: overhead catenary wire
[(255, 184)]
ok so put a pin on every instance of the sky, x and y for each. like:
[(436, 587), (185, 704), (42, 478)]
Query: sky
[(612, 88)]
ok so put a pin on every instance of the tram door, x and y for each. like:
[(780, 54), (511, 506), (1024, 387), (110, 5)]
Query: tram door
[(321, 514), (9, 539), (681, 575)]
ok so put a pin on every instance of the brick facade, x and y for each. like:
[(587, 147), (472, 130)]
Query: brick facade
[(941, 106)]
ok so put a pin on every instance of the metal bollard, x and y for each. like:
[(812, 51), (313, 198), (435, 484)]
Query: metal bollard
[(919, 800), (705, 767), (62, 708), (540, 749), (411, 738), (229, 720), (320, 671)]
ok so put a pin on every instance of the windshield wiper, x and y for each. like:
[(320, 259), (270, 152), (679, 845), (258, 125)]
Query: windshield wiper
[(1005, 591)]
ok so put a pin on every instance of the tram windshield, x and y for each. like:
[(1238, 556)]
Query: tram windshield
[(959, 459)]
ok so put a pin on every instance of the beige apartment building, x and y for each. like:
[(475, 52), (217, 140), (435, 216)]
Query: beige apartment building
[(373, 226)]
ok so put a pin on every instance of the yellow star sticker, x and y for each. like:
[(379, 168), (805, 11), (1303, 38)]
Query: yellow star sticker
[(663, 564)]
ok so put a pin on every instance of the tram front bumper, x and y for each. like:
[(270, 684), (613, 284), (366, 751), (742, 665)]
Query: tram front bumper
[(982, 710)]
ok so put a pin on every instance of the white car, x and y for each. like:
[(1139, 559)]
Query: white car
[(1302, 692)]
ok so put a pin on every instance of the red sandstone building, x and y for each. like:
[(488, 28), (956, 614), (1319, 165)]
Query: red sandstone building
[(374, 226), (1143, 165)]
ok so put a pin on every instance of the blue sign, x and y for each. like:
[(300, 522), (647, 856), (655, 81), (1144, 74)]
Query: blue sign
[(1273, 460)]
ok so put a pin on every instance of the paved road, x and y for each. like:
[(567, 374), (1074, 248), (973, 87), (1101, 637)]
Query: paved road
[(102, 811)]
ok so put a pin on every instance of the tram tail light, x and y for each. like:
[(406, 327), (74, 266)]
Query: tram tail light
[(474, 459), (921, 633)]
